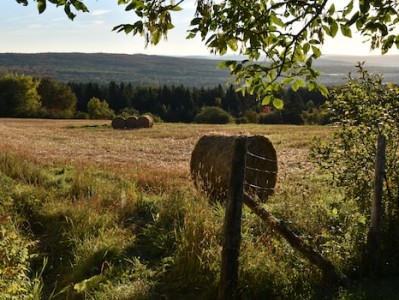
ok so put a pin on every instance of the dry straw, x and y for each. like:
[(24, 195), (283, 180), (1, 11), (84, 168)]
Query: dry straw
[(131, 122), (118, 123), (211, 164), (145, 121)]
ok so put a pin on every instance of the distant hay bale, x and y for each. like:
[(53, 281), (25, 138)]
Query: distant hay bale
[(211, 164), (131, 122), (118, 123), (145, 121)]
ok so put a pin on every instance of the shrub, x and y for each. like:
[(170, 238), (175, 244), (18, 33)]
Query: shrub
[(82, 115), (314, 116), (98, 109), (364, 108), (213, 115), (273, 117)]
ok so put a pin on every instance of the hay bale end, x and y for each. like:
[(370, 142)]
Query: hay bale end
[(210, 166), (131, 122), (118, 123), (145, 121)]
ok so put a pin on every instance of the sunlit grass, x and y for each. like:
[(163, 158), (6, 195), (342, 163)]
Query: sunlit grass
[(129, 228)]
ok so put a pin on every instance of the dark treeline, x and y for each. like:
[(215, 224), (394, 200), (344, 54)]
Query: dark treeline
[(182, 104), (25, 96)]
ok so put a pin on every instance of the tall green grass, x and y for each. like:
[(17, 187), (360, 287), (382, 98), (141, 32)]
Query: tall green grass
[(78, 233)]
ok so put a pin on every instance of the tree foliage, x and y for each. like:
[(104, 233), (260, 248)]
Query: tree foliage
[(213, 115), (58, 100), (362, 109), (18, 96), (280, 39), (99, 109)]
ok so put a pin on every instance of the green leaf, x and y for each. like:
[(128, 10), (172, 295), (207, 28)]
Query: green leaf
[(327, 29), (67, 9), (359, 23), (364, 6), (79, 5), (322, 89), (346, 31), (287, 80), (316, 51), (176, 8), (362, 220), (195, 21), (226, 64), (348, 9), (23, 2), (278, 103), (333, 28), (41, 6), (298, 83), (267, 99), (331, 10), (233, 45)]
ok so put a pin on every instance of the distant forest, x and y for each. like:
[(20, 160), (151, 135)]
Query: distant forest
[(100, 85), (26, 96), (182, 104)]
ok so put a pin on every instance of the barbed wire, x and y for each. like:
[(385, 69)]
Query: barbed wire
[(254, 185), (260, 157), (260, 170), (258, 187)]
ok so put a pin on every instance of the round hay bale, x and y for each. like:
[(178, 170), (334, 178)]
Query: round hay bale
[(118, 123), (131, 122), (210, 166), (145, 121)]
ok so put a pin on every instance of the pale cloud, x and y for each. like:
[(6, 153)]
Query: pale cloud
[(98, 22), (100, 12), (33, 26)]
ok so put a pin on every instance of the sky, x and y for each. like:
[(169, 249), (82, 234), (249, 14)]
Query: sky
[(23, 30)]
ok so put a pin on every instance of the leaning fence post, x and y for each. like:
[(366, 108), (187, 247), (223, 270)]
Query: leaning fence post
[(232, 223), (374, 235)]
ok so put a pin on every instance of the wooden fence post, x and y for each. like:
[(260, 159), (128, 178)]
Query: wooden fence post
[(232, 224), (374, 235)]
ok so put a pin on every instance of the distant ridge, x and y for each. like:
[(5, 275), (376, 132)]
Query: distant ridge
[(141, 69)]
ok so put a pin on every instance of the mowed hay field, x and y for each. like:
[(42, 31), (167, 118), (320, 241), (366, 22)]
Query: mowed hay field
[(159, 153), (100, 213)]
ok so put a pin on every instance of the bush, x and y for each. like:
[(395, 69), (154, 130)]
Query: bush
[(363, 109), (315, 116), (98, 109), (273, 117), (82, 115), (213, 115)]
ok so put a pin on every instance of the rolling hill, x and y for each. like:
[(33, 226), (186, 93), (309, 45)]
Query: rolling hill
[(140, 69)]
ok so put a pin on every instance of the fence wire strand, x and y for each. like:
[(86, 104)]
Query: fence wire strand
[(260, 157), (254, 185)]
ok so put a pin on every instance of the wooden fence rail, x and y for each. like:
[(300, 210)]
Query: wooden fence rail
[(232, 229)]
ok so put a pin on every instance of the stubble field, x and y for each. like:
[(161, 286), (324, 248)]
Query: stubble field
[(163, 150)]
